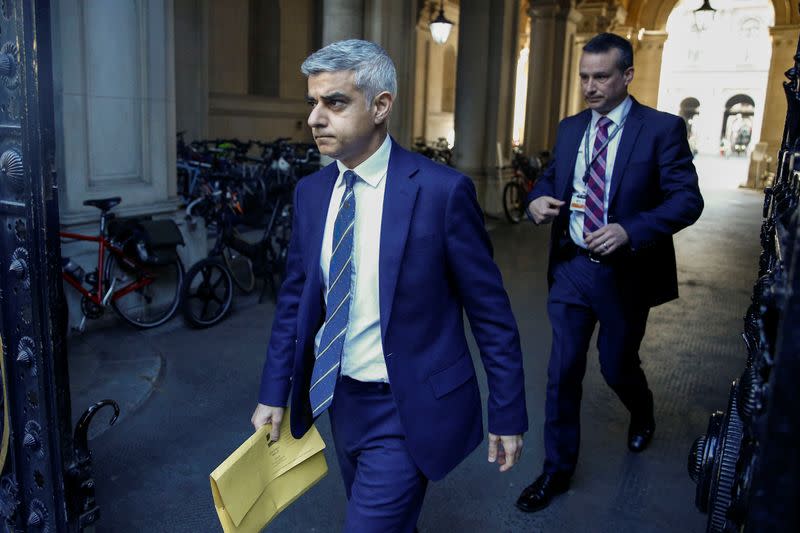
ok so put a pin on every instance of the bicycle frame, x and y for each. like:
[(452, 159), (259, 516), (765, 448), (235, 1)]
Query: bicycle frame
[(104, 244)]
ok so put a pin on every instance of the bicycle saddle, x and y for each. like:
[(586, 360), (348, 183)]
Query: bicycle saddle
[(103, 204)]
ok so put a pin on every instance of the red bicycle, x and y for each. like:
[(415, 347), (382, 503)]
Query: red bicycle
[(138, 270)]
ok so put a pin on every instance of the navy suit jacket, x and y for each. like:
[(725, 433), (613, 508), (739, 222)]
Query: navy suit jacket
[(654, 194), (435, 263)]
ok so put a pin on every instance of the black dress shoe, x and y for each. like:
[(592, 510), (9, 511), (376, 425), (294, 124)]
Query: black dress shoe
[(640, 435), (537, 495)]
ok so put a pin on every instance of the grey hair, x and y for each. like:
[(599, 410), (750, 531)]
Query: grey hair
[(374, 69)]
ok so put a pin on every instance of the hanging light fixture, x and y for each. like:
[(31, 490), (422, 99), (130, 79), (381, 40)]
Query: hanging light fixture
[(440, 26), (704, 16)]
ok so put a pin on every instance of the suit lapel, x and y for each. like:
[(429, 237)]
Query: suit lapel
[(626, 143), (318, 213), (319, 207), (572, 142), (398, 207)]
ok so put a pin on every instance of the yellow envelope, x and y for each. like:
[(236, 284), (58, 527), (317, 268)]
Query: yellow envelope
[(260, 479)]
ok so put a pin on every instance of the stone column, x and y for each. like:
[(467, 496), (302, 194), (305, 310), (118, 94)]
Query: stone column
[(784, 46), (574, 101), (553, 26), (342, 19), (191, 68), (114, 70), (591, 17), (392, 24), (647, 57), (115, 112), (484, 92)]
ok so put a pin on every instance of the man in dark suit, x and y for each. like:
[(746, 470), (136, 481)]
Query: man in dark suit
[(621, 183), (388, 250)]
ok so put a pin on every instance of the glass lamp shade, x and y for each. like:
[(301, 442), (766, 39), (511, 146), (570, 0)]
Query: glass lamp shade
[(704, 16), (440, 28)]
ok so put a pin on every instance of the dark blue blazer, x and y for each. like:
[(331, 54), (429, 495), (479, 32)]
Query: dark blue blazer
[(435, 263), (654, 194)]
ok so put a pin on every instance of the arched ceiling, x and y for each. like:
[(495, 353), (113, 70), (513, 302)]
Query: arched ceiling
[(652, 14)]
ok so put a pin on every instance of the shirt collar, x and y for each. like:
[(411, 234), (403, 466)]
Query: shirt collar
[(616, 115), (374, 168)]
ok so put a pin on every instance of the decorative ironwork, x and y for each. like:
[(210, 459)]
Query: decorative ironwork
[(38, 491), (19, 267), (80, 483), (26, 354), (744, 481), (8, 9), (9, 66), (11, 169)]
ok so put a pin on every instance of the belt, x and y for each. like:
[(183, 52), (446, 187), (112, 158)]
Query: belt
[(571, 250), (367, 386)]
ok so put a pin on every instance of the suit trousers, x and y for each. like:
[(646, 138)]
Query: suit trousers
[(385, 489), (583, 293)]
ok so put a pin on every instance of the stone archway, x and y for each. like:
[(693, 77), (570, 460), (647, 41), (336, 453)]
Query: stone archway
[(646, 19), (689, 109), (737, 123), (653, 14)]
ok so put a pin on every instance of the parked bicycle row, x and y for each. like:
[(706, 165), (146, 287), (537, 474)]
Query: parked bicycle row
[(438, 150), (139, 273), (247, 170)]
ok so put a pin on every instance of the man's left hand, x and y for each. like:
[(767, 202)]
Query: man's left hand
[(505, 450), (607, 239)]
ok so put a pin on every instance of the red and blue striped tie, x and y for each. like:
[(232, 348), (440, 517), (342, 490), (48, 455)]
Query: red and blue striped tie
[(596, 184)]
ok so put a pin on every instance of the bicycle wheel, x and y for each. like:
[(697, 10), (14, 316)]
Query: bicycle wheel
[(241, 269), (278, 246), (514, 201), (145, 296), (207, 293)]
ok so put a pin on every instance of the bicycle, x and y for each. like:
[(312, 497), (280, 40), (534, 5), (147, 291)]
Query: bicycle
[(515, 192), (138, 270), (207, 293)]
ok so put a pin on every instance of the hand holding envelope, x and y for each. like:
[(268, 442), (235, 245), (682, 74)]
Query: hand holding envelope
[(261, 478)]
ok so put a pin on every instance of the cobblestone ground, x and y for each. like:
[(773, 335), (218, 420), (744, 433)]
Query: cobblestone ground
[(152, 469)]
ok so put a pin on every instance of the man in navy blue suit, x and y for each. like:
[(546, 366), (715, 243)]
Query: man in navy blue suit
[(621, 183), (388, 250)]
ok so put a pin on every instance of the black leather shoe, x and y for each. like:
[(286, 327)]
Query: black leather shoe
[(640, 435), (537, 495)]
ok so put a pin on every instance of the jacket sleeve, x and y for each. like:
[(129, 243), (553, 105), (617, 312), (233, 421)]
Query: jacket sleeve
[(681, 202), (546, 184), (488, 309), (279, 364)]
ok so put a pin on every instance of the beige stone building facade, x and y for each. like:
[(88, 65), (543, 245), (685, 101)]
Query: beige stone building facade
[(131, 73)]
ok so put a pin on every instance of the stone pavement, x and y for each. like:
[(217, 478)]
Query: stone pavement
[(187, 397)]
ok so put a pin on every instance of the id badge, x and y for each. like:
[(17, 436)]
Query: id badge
[(578, 202)]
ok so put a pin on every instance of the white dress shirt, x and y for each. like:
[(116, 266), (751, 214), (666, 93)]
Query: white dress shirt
[(362, 355), (617, 115)]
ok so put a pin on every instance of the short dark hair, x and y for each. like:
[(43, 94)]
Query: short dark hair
[(604, 42)]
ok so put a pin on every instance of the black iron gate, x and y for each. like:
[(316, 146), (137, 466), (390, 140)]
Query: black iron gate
[(747, 465), (46, 482)]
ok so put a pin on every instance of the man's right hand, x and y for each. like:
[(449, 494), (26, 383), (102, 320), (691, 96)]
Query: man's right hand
[(265, 414), (544, 209)]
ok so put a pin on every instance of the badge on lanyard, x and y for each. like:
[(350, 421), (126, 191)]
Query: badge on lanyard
[(578, 202)]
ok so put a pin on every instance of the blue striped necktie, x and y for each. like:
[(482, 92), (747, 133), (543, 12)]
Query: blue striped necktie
[(340, 272)]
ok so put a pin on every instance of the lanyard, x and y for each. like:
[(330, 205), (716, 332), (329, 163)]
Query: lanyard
[(613, 134)]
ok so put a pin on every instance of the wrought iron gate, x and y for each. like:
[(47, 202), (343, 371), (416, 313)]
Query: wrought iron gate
[(45, 482), (746, 465)]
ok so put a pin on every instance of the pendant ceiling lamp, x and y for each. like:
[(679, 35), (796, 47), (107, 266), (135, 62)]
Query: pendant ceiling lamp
[(440, 26), (704, 16)]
